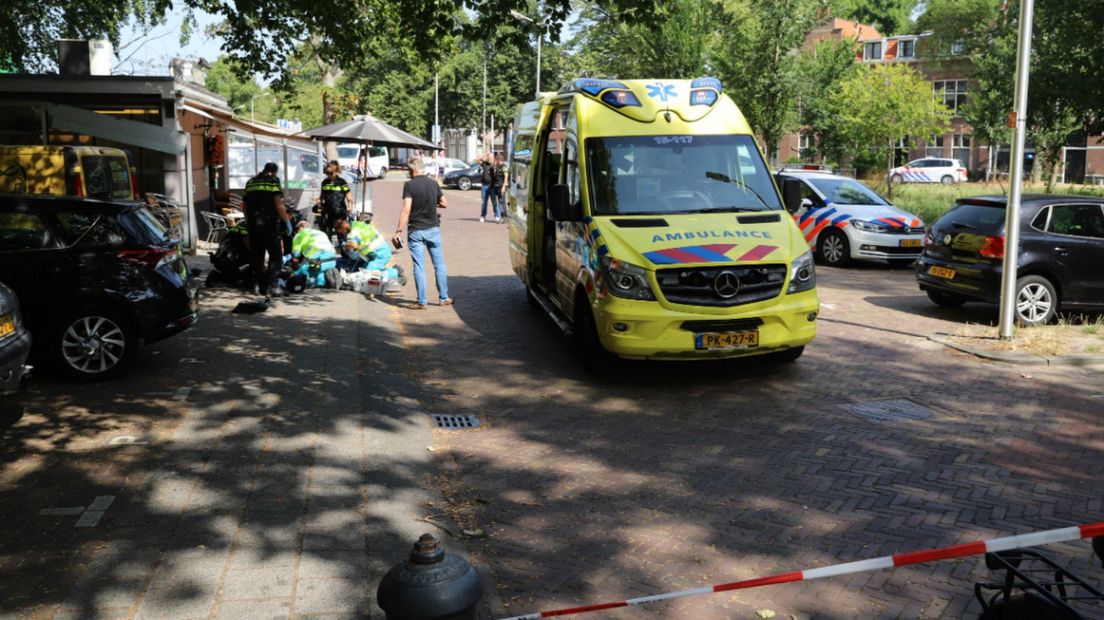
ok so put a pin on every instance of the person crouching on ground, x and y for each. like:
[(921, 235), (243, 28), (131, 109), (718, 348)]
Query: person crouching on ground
[(363, 247), (313, 256), (421, 199)]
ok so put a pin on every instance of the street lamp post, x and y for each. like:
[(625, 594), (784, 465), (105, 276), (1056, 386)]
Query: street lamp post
[(540, 39)]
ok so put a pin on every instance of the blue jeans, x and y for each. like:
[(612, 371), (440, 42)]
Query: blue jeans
[(492, 193), (419, 240)]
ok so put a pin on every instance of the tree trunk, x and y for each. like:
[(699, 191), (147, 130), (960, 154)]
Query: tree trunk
[(889, 176), (330, 73)]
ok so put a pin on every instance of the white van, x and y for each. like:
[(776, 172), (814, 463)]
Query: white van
[(348, 156)]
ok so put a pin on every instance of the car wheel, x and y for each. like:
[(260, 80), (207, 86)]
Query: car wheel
[(946, 300), (947, 180), (382, 173), (787, 356), (1036, 300), (833, 248), (596, 359), (897, 179), (94, 343), (464, 183)]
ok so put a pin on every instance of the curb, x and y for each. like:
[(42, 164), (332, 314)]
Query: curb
[(1016, 357)]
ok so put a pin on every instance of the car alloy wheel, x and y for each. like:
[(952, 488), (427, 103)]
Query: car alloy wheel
[(947, 180), (464, 183), (897, 179), (93, 345), (1036, 301), (833, 248)]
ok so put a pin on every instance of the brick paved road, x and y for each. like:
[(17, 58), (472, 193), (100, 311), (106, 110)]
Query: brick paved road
[(677, 475), (282, 483)]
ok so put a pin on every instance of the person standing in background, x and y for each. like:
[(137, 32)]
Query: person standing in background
[(501, 178), (486, 177), (421, 199)]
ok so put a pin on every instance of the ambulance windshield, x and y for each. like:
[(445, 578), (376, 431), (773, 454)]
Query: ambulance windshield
[(678, 174)]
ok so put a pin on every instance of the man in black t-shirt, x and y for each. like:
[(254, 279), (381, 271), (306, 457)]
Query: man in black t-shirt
[(266, 218), (335, 198), (421, 198)]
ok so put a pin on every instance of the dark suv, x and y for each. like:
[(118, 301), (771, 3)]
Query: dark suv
[(1058, 266), (93, 278)]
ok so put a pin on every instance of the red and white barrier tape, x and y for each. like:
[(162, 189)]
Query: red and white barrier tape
[(1090, 530)]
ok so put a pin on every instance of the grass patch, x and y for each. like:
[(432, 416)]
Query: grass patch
[(929, 201), (1070, 335)]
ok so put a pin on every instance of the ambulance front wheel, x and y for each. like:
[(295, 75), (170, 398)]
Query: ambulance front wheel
[(787, 356), (597, 360)]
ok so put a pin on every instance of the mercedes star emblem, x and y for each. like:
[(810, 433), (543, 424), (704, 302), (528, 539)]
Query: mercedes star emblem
[(726, 284), (947, 239)]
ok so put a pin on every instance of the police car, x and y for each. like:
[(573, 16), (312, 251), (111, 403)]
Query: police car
[(844, 220), (930, 170)]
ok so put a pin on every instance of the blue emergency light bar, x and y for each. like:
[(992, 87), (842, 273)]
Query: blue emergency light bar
[(593, 86), (707, 82), (620, 98), (703, 96)]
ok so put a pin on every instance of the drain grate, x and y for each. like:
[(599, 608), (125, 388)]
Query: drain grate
[(455, 422), (890, 410)]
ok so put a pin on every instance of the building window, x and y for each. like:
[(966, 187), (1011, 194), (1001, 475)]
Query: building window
[(958, 48), (934, 147), (804, 142), (906, 49), (960, 148), (953, 94), (901, 152), (872, 51)]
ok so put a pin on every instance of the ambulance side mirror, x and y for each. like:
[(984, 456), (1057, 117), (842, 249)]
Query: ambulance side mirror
[(791, 194), (558, 204)]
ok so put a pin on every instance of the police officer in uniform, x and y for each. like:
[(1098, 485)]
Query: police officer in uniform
[(335, 198), (267, 220)]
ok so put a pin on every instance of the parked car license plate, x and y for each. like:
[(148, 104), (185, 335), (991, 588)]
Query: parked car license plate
[(942, 272), (7, 325), (910, 243), (726, 340)]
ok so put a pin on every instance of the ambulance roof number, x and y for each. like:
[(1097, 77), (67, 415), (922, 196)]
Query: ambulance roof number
[(664, 140)]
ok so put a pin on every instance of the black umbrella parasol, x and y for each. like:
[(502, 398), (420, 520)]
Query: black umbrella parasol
[(367, 130)]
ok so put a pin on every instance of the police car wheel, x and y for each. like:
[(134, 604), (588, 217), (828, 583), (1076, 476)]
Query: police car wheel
[(898, 179), (93, 343), (833, 248), (464, 183), (947, 180)]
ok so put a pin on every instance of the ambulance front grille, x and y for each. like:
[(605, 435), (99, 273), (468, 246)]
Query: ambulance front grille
[(698, 286)]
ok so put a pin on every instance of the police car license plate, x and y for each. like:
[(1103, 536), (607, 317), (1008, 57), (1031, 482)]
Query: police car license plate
[(910, 243), (7, 325), (726, 340), (942, 272)]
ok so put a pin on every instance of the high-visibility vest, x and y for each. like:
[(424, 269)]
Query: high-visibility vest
[(310, 243), (367, 238)]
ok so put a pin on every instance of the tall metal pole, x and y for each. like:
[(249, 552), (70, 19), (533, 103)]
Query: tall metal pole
[(540, 37), (1018, 119), (436, 111), (483, 133)]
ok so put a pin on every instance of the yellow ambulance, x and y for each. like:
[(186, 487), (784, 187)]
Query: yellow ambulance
[(92, 171), (644, 220)]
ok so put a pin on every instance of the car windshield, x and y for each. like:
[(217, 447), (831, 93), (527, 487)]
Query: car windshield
[(846, 192), (678, 174), (347, 152)]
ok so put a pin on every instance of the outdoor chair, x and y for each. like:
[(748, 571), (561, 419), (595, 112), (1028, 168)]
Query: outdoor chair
[(217, 225)]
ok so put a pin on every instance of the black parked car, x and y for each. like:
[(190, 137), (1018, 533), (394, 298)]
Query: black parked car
[(464, 179), (15, 344), (1059, 263), (93, 278)]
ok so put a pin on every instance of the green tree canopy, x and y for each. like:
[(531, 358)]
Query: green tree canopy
[(878, 106), (890, 17), (821, 69)]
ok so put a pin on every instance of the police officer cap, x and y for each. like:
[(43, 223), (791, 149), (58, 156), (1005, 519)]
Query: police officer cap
[(271, 167)]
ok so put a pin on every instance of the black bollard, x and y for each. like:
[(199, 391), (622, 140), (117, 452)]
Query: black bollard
[(431, 585)]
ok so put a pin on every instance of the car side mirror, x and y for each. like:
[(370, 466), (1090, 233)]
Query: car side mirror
[(806, 203), (558, 204), (791, 195)]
